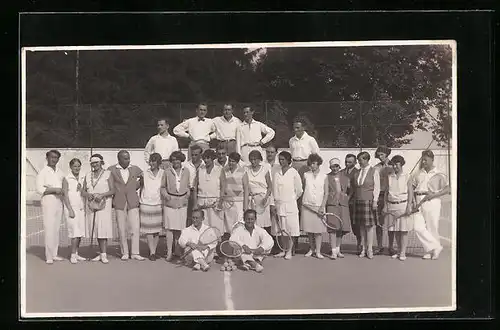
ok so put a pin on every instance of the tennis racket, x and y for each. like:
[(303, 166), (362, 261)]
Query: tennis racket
[(436, 184), (330, 220), (256, 202), (231, 249), (92, 235), (225, 205), (390, 217), (283, 238), (209, 236)]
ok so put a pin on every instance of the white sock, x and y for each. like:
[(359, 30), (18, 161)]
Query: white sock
[(103, 255)]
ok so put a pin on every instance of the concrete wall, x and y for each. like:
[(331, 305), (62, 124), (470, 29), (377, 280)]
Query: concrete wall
[(35, 160)]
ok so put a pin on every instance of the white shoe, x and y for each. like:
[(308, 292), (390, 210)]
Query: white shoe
[(73, 259), (57, 258), (319, 255), (98, 258), (362, 254), (334, 255), (436, 252), (80, 258), (280, 255), (258, 268), (124, 257), (308, 254), (427, 256), (104, 259), (197, 266), (402, 257), (395, 256), (49, 261), (137, 257), (288, 256), (204, 265), (340, 255)]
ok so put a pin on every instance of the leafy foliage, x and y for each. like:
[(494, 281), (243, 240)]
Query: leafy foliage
[(352, 96)]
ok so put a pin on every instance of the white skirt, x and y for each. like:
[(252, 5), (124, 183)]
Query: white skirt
[(174, 219), (76, 225), (288, 215)]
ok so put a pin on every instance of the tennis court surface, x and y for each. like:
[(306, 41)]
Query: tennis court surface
[(301, 283)]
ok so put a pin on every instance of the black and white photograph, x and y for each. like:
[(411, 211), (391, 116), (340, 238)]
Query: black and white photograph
[(239, 179)]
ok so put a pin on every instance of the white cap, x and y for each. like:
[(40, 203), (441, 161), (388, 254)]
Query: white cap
[(334, 161), (95, 160)]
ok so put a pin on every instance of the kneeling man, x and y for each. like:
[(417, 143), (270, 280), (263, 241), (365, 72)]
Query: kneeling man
[(201, 255), (254, 240)]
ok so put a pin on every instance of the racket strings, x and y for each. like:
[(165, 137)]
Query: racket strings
[(231, 249)]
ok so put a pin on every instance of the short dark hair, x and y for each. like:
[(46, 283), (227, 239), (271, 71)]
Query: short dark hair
[(384, 149), (314, 158), (350, 156), (286, 155), (209, 153), (123, 151), (165, 119), (195, 147), (155, 157), (364, 155), (202, 103), (177, 155), (398, 159), (201, 211), (271, 145), (248, 211), (234, 156), (53, 151), (255, 154), (221, 146), (73, 161), (428, 153)]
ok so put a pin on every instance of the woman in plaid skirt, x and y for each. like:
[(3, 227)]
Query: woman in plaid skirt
[(366, 192)]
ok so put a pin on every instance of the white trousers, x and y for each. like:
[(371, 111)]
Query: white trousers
[(52, 210), (426, 224), (195, 255), (128, 223), (250, 257)]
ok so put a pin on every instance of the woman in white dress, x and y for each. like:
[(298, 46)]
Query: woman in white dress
[(207, 186), (150, 205), (396, 204), (287, 188), (97, 186), (232, 189), (258, 180), (315, 197), (75, 207)]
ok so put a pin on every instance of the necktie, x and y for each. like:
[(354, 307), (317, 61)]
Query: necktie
[(201, 119), (361, 174)]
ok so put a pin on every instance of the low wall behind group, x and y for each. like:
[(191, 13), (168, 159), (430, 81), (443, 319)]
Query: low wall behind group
[(35, 160)]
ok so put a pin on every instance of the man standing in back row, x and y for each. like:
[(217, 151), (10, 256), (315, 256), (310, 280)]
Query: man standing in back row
[(198, 129), (249, 135), (225, 129), (302, 145), (163, 143)]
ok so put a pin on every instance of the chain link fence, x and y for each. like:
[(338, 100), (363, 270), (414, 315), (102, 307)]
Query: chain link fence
[(356, 124)]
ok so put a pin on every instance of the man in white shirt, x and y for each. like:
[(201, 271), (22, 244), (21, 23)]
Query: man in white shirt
[(430, 203), (49, 186), (225, 129), (301, 146), (249, 135), (198, 129), (254, 240), (163, 143), (201, 255)]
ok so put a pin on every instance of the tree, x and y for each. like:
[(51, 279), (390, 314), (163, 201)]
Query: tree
[(382, 93)]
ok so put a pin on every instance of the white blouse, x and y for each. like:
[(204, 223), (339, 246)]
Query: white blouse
[(150, 194), (314, 190)]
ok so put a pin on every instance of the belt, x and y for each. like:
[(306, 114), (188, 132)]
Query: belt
[(400, 202), (421, 193), (227, 140), (299, 160), (251, 145), (201, 140), (177, 195)]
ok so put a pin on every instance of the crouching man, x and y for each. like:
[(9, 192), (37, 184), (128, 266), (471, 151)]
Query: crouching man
[(254, 240), (201, 255)]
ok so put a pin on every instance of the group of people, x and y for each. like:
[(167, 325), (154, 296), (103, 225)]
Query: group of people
[(183, 198)]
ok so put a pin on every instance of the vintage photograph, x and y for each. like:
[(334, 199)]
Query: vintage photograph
[(238, 179)]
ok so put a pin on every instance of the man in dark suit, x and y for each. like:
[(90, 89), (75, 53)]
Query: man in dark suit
[(350, 171), (126, 203)]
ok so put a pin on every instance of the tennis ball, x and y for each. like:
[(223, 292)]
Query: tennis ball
[(226, 264), (222, 268)]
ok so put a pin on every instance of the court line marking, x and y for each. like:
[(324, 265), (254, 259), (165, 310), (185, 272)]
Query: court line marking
[(228, 299)]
